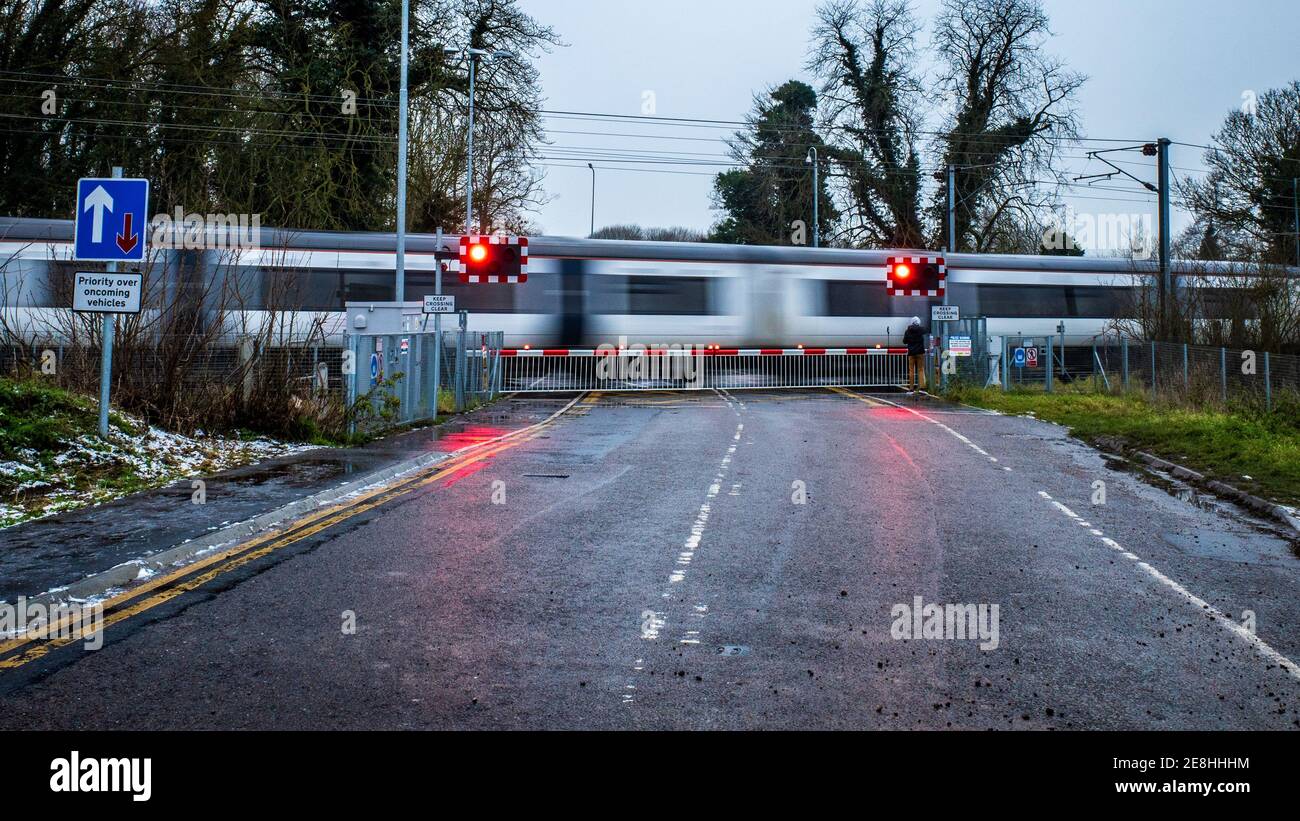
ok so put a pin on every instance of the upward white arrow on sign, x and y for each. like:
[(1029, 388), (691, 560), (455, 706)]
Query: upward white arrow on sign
[(98, 200)]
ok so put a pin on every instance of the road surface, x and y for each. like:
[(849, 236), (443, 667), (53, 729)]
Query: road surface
[(718, 560)]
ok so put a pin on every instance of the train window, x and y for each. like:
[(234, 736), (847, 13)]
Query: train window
[(606, 294), (1026, 301), (293, 288), (368, 286), (1227, 303), (843, 297), (36, 282), (541, 294), (1094, 300), (668, 295), (1041, 301)]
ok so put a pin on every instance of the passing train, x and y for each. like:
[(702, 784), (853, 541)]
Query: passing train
[(584, 293)]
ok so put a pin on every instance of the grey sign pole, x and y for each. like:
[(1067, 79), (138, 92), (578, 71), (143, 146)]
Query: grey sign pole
[(106, 350), (437, 321)]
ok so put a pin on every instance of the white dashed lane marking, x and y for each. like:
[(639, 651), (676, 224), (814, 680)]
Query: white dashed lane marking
[(1262, 647), (652, 626)]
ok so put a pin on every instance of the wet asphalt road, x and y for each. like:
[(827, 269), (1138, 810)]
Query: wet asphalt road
[(44, 554), (649, 566)]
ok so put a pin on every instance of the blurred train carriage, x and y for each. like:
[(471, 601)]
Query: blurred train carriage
[(584, 293)]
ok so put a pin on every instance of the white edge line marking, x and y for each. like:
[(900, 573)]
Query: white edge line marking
[(1262, 647)]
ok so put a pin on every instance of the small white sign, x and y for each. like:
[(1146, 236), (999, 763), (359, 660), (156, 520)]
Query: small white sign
[(959, 345), (440, 304), (944, 313), (101, 292)]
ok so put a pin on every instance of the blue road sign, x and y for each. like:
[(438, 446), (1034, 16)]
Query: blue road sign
[(1018, 355), (112, 216)]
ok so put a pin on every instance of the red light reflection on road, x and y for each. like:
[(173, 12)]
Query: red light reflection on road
[(464, 472), (469, 436)]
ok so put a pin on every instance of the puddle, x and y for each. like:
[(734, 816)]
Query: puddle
[(1242, 546), (1229, 547), (1197, 499), (294, 474)]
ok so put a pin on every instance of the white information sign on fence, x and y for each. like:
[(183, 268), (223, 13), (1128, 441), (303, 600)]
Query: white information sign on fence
[(103, 292), (944, 313)]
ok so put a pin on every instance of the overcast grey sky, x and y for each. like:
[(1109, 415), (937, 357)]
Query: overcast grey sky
[(1157, 68)]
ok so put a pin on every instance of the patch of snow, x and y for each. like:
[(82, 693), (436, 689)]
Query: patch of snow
[(154, 457)]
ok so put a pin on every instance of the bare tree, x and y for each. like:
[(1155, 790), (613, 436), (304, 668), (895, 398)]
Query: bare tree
[(508, 127), (1253, 164), (863, 54), (1011, 104)]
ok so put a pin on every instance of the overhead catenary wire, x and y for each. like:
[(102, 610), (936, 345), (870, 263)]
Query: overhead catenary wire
[(622, 157)]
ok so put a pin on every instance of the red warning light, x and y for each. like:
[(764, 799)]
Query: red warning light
[(499, 259), (915, 276)]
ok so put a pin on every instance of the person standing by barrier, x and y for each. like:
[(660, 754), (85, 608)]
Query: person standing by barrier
[(914, 339)]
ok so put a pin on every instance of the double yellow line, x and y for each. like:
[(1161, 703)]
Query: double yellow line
[(164, 588)]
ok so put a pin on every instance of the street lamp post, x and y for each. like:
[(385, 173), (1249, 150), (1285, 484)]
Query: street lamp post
[(811, 159), (474, 54), (593, 199), (401, 160)]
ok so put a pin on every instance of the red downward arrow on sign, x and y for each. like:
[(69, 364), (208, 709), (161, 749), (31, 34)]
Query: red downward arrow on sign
[(127, 239)]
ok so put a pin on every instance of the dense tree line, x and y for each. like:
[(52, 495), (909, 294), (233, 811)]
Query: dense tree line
[(285, 108)]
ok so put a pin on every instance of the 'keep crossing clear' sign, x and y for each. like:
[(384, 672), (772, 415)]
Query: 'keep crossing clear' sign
[(100, 292), (439, 304)]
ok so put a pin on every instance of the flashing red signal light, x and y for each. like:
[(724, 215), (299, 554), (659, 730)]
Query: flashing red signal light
[(493, 259), (915, 276)]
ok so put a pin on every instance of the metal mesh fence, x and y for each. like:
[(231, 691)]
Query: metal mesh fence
[(402, 378), (183, 383), (1192, 374)]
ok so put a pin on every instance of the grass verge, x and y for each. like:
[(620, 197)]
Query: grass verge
[(1248, 449), (52, 457)]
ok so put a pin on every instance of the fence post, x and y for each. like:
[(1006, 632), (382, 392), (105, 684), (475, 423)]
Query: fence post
[(245, 365), (460, 362), (1124, 351), (1223, 374), (1268, 385), (1186, 379), (1153, 369), (1049, 363), (1006, 366), (350, 343)]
